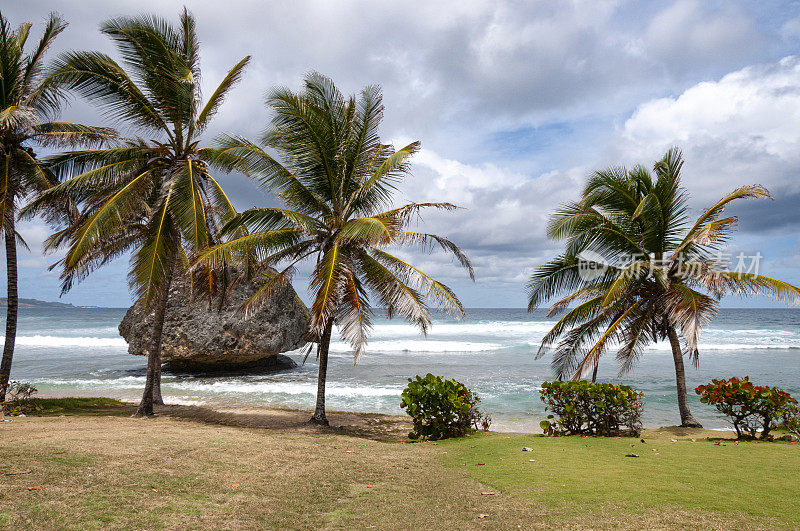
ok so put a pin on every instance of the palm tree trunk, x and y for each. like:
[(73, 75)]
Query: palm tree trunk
[(687, 420), (324, 346), (152, 385), (594, 372), (157, 398), (12, 295)]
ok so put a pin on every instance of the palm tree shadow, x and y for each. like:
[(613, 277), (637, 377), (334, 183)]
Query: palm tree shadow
[(372, 426)]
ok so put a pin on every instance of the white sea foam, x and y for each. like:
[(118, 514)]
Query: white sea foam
[(420, 345), (182, 401), (124, 382), (225, 387), (287, 388), (783, 345), (61, 341), (703, 347), (481, 328), (90, 331)]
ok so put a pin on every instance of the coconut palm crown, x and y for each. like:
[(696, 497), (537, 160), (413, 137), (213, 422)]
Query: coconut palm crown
[(635, 271), (28, 104), (337, 182), (153, 195)]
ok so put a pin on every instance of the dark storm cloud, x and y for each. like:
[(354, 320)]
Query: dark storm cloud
[(781, 216)]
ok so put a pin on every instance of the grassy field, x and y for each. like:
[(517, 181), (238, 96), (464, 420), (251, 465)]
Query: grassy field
[(85, 464), (573, 475)]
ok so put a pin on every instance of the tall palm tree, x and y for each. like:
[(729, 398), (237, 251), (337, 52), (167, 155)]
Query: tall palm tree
[(27, 104), (337, 182), (635, 271), (155, 197)]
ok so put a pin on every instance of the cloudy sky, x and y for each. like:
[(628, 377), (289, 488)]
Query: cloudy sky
[(515, 104)]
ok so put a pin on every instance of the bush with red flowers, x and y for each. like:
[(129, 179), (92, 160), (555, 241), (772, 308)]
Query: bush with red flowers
[(587, 408), (750, 408)]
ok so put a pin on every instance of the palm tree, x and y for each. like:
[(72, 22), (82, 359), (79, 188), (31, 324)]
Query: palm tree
[(636, 272), (27, 103), (337, 182), (154, 198)]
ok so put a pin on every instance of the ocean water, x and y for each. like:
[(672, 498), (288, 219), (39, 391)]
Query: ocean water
[(79, 351)]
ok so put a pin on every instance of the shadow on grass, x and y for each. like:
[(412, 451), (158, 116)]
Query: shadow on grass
[(363, 425), (373, 426)]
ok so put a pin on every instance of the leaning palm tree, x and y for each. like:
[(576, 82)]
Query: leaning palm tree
[(337, 182), (27, 104), (154, 198), (635, 271)]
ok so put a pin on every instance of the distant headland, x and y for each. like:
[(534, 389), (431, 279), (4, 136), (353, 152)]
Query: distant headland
[(35, 303)]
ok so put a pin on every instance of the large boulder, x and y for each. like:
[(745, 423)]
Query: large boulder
[(198, 334)]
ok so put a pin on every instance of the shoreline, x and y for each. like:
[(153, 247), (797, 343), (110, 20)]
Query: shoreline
[(357, 422), (490, 352)]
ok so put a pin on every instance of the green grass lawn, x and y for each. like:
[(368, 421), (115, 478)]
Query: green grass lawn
[(760, 479), (85, 464), (79, 405)]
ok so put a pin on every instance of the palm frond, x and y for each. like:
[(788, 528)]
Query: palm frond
[(614, 331), (367, 231), (271, 284), (248, 247), (713, 213), (15, 116), (189, 206), (113, 212), (151, 263), (325, 283), (100, 79), (690, 311), (70, 134), (354, 315), (218, 97), (750, 284), (376, 189), (581, 313), (435, 291), (395, 295), (427, 241)]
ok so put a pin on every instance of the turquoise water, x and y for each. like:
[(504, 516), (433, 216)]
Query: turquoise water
[(492, 351)]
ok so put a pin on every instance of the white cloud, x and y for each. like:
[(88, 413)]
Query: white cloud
[(456, 72), (502, 221), (739, 130), (790, 30), (690, 32), (452, 70)]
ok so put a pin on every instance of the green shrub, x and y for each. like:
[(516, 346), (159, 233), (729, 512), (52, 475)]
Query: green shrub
[(441, 408), (20, 398), (586, 408), (790, 419), (750, 408)]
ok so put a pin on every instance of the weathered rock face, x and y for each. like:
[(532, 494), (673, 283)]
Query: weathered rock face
[(198, 335)]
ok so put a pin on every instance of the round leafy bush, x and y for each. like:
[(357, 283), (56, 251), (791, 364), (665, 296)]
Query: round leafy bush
[(20, 398), (587, 408), (750, 408), (441, 408)]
